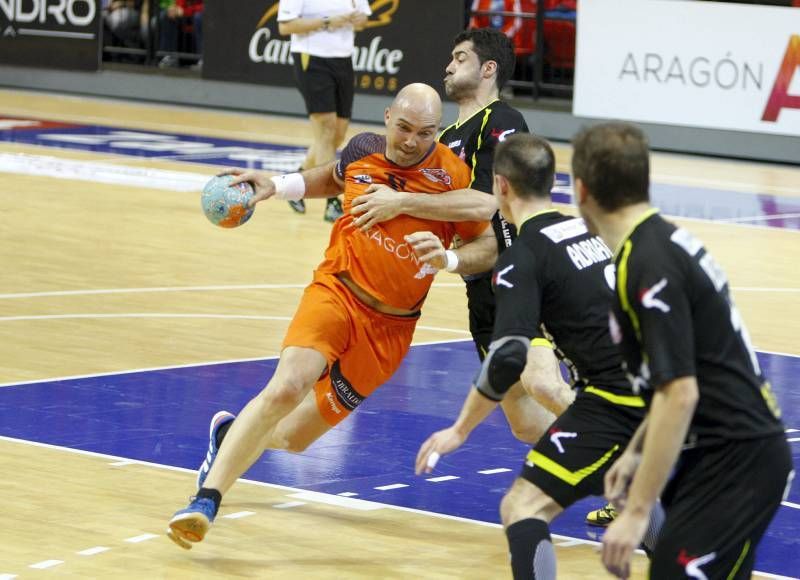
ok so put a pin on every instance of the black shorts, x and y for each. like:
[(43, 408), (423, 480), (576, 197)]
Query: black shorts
[(325, 83), (572, 457), (481, 305), (718, 505), (480, 295)]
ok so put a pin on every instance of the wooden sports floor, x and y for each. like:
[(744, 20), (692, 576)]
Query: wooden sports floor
[(104, 274)]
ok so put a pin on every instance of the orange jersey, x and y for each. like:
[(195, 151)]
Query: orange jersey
[(380, 261)]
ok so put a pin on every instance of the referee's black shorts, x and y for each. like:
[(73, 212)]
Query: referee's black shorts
[(571, 459), (718, 505), (325, 83)]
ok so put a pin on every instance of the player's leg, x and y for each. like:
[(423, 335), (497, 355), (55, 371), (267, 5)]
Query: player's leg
[(527, 418), (719, 505), (526, 512), (247, 438)]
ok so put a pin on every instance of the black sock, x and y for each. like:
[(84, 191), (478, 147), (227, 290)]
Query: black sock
[(532, 553), (211, 494), (221, 433)]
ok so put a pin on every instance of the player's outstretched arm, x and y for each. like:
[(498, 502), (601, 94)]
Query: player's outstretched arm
[(476, 256), (381, 203), (669, 417), (476, 408), (317, 182)]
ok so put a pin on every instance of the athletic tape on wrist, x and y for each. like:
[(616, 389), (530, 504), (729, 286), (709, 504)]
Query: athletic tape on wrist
[(289, 187), (452, 260)]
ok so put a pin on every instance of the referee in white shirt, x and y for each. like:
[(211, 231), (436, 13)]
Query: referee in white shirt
[(323, 35)]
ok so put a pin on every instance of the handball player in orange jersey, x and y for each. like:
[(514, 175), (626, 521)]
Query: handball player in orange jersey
[(356, 319)]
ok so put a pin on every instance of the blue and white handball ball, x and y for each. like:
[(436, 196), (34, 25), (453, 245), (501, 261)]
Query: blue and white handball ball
[(225, 205)]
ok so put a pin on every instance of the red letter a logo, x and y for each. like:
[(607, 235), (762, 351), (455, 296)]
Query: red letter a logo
[(780, 98)]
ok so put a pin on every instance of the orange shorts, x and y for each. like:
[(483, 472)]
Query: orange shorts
[(363, 347)]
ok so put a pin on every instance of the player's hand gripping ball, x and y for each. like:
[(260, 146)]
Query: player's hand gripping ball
[(225, 205)]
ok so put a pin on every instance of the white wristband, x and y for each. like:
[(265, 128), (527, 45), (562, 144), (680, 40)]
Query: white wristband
[(452, 260), (289, 187)]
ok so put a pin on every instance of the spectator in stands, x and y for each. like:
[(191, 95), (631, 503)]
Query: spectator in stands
[(176, 19), (121, 23)]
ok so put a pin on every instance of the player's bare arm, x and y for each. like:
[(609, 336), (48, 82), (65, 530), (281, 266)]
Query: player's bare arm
[(542, 380), (381, 203), (475, 256), (313, 183), (475, 409), (306, 25), (668, 422)]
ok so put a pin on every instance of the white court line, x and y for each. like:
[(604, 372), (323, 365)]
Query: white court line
[(493, 471), (793, 439), (217, 288), (122, 463), (297, 490), (347, 494), (760, 218), (140, 538), (45, 564), (186, 366), (93, 551), (338, 500), (157, 315), (442, 478), (239, 515), (142, 315), (7, 576), (288, 504), (390, 486)]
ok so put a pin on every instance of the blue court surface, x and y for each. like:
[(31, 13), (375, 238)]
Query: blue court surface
[(693, 201), (161, 416)]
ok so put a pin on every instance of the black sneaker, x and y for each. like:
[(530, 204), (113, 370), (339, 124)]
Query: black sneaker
[(333, 209), (299, 206)]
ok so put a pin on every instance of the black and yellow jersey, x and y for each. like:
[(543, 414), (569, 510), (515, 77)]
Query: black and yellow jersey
[(555, 284), (474, 141), (676, 319)]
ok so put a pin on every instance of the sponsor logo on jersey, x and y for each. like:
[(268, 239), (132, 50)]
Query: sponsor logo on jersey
[(556, 435), (649, 300), (401, 251), (363, 178), (437, 175), (565, 230), (498, 280), (691, 564), (345, 393), (454, 144), (501, 135)]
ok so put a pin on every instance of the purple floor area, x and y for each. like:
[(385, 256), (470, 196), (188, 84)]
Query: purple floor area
[(162, 416)]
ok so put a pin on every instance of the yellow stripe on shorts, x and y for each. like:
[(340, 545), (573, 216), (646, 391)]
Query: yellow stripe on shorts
[(571, 477), (624, 400)]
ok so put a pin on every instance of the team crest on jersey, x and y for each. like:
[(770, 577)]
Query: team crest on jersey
[(363, 178), (437, 176)]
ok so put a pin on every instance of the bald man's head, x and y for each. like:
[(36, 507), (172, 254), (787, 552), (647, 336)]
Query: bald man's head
[(412, 122)]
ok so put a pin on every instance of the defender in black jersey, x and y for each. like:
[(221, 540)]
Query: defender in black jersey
[(482, 62), (554, 290), (712, 420)]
